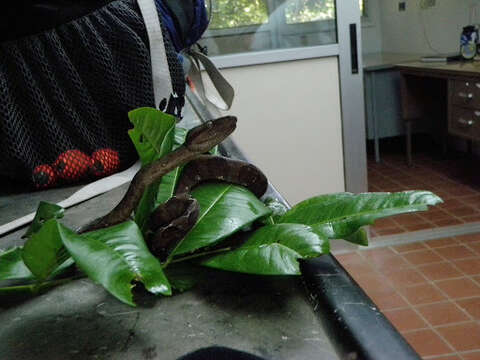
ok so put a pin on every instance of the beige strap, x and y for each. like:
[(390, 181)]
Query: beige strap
[(162, 82), (223, 87)]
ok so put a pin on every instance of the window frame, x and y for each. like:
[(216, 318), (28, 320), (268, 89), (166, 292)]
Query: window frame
[(277, 26)]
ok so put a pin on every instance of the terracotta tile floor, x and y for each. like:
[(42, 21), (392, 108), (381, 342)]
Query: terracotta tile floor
[(455, 178), (429, 290)]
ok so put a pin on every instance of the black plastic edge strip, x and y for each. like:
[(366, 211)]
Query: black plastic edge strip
[(355, 325)]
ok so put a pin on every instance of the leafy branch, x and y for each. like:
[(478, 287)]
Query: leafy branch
[(269, 238)]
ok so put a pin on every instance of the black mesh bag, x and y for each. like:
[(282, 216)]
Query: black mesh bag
[(67, 82)]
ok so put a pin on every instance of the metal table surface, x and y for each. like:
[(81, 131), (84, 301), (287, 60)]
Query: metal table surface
[(274, 317)]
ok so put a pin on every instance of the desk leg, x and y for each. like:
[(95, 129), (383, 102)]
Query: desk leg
[(374, 116), (469, 147), (445, 143)]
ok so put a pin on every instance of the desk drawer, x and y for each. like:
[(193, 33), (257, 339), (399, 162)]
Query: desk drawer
[(466, 93), (465, 122)]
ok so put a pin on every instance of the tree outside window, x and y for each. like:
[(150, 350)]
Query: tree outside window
[(240, 13), (232, 14)]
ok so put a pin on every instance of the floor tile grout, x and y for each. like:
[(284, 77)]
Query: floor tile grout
[(438, 267), (409, 265), (422, 317)]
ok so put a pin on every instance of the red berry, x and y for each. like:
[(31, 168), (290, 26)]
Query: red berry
[(44, 176), (72, 165), (105, 162)]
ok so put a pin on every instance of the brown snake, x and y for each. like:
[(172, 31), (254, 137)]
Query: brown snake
[(199, 140), (171, 221)]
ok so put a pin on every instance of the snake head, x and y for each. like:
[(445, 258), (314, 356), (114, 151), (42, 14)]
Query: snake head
[(204, 137)]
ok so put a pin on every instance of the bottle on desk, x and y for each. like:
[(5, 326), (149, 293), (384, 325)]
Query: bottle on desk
[(468, 42)]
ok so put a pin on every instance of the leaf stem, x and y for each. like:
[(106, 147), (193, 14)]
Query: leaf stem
[(194, 256), (269, 221), (37, 287)]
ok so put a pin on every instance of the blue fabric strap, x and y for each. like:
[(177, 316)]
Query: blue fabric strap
[(192, 33)]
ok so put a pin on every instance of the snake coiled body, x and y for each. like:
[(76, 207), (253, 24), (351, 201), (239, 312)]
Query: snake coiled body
[(199, 140), (171, 221)]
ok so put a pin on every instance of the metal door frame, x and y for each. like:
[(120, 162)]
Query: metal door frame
[(352, 96)]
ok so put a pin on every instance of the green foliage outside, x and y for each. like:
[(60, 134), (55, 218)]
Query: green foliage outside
[(237, 13), (231, 14)]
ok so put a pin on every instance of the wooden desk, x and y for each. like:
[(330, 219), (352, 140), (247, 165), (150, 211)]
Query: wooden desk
[(447, 93)]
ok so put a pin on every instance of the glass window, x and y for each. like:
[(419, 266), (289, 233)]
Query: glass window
[(363, 8), (227, 14), (309, 11), (254, 25)]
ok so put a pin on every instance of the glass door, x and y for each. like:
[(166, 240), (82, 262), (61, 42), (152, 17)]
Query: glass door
[(246, 33)]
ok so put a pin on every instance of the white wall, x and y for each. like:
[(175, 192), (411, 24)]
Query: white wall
[(372, 29), (405, 31), (289, 124)]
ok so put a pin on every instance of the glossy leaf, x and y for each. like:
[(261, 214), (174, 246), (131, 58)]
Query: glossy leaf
[(343, 229), (45, 211), (11, 294), (273, 250), (183, 277), (153, 137), (44, 251), (215, 150), (153, 133), (340, 215), (166, 188), (273, 259), (146, 206), (127, 240), (224, 209), (180, 135), (116, 257), (359, 237), (278, 210), (12, 265)]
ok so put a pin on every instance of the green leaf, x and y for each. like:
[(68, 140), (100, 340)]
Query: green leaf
[(214, 151), (273, 250), (340, 215), (179, 137), (153, 133), (12, 265), (360, 237), (116, 257), (45, 211), (350, 231), (127, 240), (183, 277), (278, 210), (11, 294), (224, 209), (146, 206), (166, 188), (153, 137), (44, 251)]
